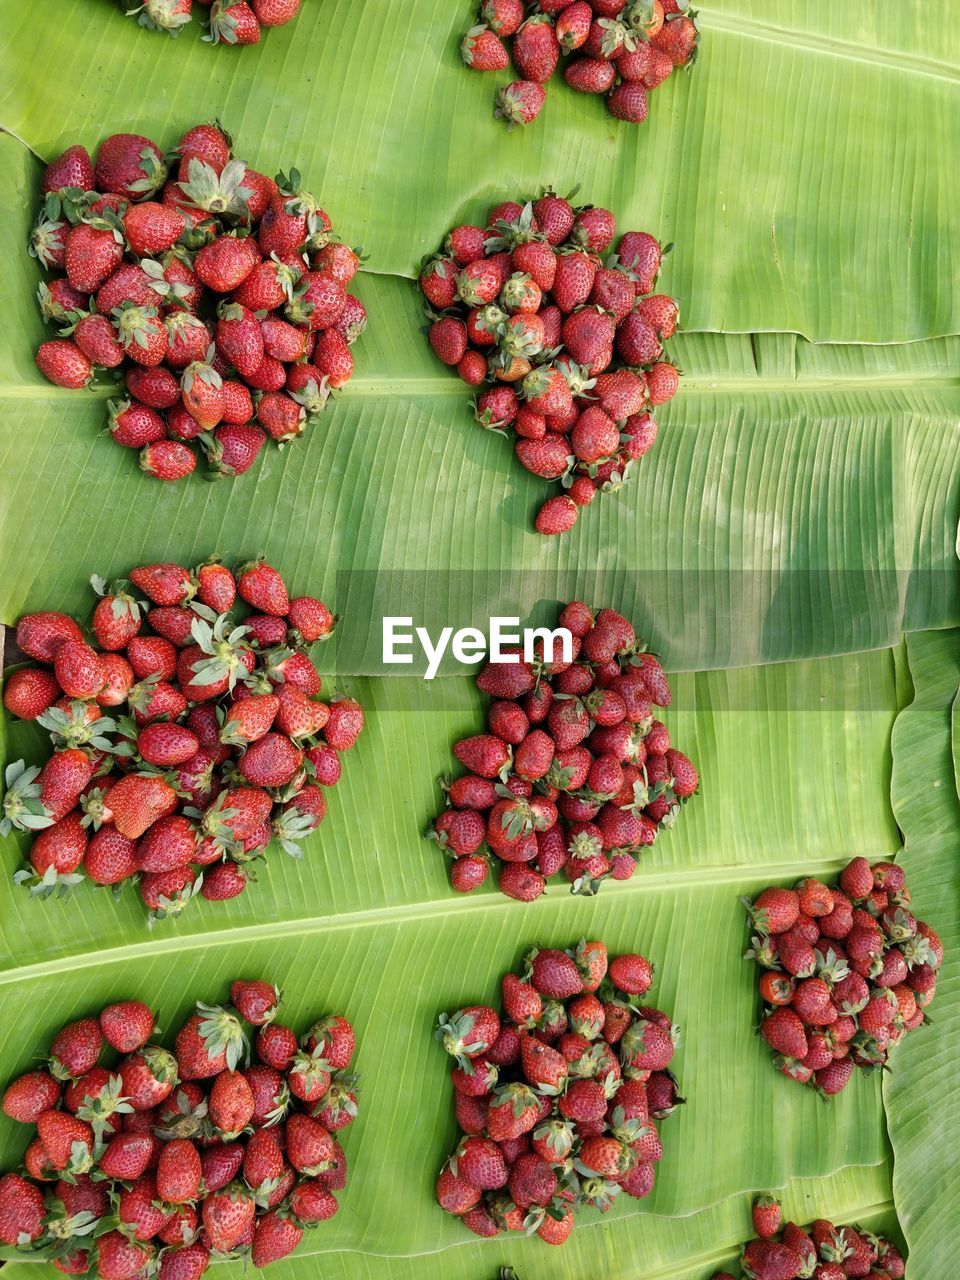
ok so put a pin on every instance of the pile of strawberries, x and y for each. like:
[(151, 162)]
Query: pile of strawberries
[(573, 774), (784, 1251), (571, 341), (217, 294), (847, 971), (167, 1160), (621, 48), (185, 738), (557, 1096), (230, 21)]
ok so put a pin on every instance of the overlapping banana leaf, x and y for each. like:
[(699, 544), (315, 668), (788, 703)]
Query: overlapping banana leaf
[(802, 501), (811, 492), (805, 167), (921, 1096)]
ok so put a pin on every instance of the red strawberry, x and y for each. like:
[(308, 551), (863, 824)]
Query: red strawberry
[(72, 168), (234, 448), (27, 1096), (22, 1210), (29, 692), (40, 635), (535, 49), (97, 339), (483, 50), (678, 38), (573, 282), (226, 263), (275, 1234), (179, 1172), (274, 13), (554, 974), (785, 1033), (520, 102), (590, 75), (767, 1218), (126, 1026), (228, 1215), (64, 364), (629, 102), (631, 973)]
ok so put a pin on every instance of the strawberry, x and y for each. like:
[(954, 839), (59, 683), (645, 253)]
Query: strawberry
[(595, 435), (535, 49), (276, 1045), (126, 1026), (628, 101), (231, 1104), (72, 168), (484, 755), (179, 1172), (574, 279), (767, 1218), (228, 1215), (775, 910), (93, 253), (238, 338), (96, 338), (68, 1141), (40, 635), (503, 16), (224, 265), (151, 228), (232, 449), (75, 1049), (663, 381), (274, 13), (483, 50), (30, 1094), (64, 364), (520, 102), (678, 38), (202, 391), (549, 457), (275, 1234), (590, 75), (209, 1042), (785, 1034), (554, 973), (29, 692), (632, 974), (22, 1210), (138, 801), (79, 669)]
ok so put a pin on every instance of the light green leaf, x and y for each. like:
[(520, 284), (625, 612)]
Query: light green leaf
[(921, 1096), (793, 206)]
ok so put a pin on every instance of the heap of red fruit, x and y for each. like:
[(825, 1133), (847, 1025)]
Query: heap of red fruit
[(574, 774), (621, 48), (186, 738), (167, 1160), (572, 341), (217, 294), (784, 1251), (558, 1095), (847, 971), (230, 22)]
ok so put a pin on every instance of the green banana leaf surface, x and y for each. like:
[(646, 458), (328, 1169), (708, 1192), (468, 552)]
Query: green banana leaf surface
[(796, 519)]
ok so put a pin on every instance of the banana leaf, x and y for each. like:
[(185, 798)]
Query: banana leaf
[(801, 502), (811, 492), (687, 1248), (367, 925), (920, 1095), (804, 167)]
